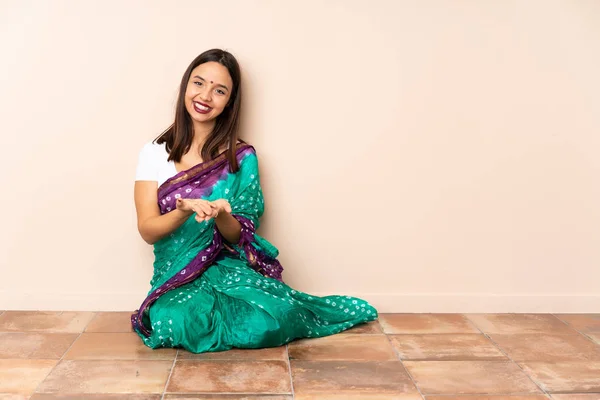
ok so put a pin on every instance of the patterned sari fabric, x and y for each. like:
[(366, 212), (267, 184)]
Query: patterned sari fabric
[(209, 295)]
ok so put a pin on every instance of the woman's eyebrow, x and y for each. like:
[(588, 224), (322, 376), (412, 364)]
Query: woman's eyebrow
[(218, 84)]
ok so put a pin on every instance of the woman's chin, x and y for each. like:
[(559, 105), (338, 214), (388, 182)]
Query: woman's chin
[(201, 118)]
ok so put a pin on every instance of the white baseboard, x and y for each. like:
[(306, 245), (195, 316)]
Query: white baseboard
[(384, 302)]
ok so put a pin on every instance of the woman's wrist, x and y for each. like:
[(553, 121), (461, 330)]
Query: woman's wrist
[(221, 215)]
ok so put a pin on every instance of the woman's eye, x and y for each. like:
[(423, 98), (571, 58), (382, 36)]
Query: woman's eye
[(220, 91), (198, 83)]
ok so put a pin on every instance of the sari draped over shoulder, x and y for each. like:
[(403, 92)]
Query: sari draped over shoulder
[(210, 295)]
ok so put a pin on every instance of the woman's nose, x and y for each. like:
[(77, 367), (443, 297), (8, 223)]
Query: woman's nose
[(205, 95)]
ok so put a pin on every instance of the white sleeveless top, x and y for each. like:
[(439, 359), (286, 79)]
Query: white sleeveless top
[(153, 164)]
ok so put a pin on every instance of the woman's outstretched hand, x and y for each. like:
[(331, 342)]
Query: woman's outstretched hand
[(205, 210), (222, 205)]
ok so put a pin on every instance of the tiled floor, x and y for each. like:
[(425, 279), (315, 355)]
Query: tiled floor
[(85, 355)]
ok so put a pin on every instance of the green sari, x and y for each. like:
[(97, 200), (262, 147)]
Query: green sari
[(209, 295)]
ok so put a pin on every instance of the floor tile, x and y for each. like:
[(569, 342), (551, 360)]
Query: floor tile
[(343, 347), (594, 336), (492, 397), (35, 345), (358, 396), (215, 376), (271, 353), (426, 323), (372, 327), (110, 322), (23, 376), (115, 346), (339, 378), (11, 396), (449, 347), (96, 396), (470, 377), (519, 323), (44, 321), (547, 347), (227, 397), (577, 396), (565, 376), (83, 376), (582, 322)]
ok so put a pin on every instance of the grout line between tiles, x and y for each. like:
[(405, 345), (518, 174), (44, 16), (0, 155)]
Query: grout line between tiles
[(511, 360), (404, 366), (96, 314), (169, 378), (566, 323), (56, 365), (576, 330), (287, 356)]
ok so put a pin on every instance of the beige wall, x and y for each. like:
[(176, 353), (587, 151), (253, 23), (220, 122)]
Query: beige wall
[(425, 155)]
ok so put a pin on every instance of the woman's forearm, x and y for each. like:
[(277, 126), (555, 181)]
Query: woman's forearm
[(229, 227), (155, 228)]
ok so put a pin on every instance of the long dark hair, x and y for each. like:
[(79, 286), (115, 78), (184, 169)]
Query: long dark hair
[(178, 137)]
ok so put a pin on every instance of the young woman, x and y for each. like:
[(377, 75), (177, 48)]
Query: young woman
[(216, 283)]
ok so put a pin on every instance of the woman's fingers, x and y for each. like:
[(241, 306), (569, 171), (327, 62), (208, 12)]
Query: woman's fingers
[(199, 213), (203, 212), (204, 206), (221, 205), (208, 210), (213, 213)]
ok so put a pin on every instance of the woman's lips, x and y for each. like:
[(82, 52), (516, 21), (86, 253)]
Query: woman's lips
[(200, 108)]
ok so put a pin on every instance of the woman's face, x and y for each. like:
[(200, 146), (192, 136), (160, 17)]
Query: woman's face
[(208, 91)]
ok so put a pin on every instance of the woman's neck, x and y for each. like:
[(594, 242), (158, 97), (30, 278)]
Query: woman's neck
[(201, 133)]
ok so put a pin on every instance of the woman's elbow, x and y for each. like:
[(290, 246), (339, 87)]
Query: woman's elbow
[(150, 239)]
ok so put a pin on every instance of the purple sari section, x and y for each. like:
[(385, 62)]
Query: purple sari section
[(259, 260), (197, 182)]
